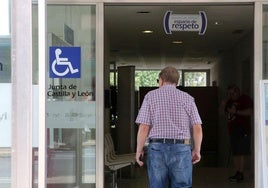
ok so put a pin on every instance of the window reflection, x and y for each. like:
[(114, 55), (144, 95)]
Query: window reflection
[(5, 96), (70, 113)]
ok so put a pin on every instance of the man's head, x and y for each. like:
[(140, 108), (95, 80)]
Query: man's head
[(169, 75), (233, 92)]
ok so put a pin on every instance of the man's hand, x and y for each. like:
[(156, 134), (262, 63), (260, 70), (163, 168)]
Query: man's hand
[(141, 138), (139, 156), (196, 157), (198, 136)]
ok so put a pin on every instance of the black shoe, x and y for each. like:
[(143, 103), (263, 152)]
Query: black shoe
[(238, 177)]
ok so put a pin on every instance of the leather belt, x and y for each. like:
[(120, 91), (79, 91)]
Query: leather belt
[(170, 141)]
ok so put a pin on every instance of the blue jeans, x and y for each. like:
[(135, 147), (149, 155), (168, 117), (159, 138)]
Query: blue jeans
[(169, 163)]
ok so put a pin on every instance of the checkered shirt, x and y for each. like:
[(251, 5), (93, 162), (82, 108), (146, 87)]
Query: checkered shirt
[(169, 112)]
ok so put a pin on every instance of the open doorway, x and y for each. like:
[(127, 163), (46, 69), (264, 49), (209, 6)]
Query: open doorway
[(135, 36)]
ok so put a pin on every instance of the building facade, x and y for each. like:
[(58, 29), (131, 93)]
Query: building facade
[(52, 78)]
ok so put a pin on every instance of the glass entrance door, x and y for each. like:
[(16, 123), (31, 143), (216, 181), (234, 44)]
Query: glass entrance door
[(70, 96)]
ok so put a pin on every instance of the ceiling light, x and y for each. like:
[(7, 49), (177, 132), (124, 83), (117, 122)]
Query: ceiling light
[(147, 31), (177, 42), (217, 23)]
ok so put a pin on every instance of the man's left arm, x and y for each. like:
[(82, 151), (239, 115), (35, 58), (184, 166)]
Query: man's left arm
[(197, 137)]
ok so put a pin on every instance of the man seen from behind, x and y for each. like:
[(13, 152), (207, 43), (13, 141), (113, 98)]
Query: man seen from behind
[(166, 118)]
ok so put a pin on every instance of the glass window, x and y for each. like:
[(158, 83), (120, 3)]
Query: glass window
[(70, 114), (195, 78), (35, 132), (5, 17), (146, 78), (265, 74), (113, 78), (143, 78), (5, 95), (5, 61)]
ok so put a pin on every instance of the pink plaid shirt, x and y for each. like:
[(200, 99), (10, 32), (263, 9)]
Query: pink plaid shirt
[(169, 112)]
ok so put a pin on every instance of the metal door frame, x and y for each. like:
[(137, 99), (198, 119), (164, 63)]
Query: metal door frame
[(100, 82)]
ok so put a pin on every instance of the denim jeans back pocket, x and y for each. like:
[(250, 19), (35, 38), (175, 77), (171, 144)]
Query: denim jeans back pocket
[(180, 157), (156, 158)]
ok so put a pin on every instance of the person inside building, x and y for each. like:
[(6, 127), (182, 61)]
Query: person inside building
[(239, 108), (166, 118)]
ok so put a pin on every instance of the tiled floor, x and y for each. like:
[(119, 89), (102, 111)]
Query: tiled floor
[(203, 177)]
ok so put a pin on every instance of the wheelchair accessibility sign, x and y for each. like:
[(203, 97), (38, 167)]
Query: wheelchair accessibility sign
[(64, 62)]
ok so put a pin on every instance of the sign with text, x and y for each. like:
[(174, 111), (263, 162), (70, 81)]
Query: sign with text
[(69, 92), (71, 114), (185, 22)]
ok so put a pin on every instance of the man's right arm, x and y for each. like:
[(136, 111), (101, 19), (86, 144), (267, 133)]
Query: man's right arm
[(141, 139)]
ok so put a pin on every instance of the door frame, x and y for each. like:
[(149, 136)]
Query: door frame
[(42, 59), (100, 82)]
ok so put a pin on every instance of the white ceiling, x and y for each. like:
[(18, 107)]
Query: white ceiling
[(128, 46)]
